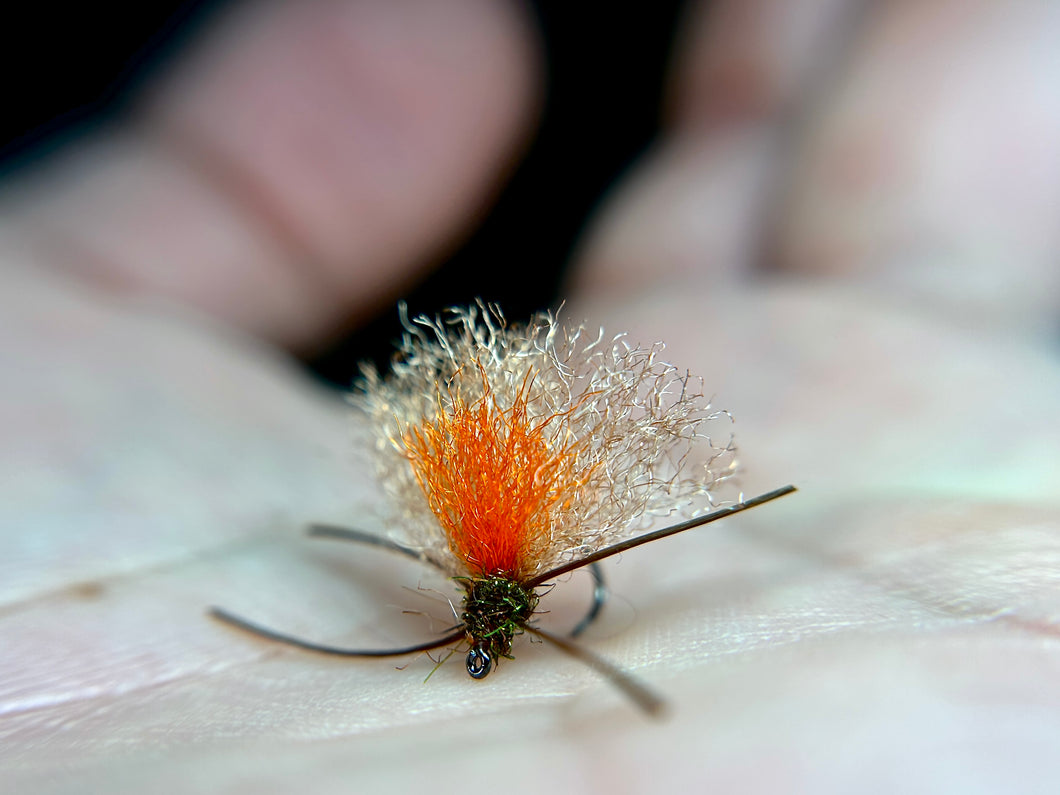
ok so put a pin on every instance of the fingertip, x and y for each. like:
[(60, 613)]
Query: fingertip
[(304, 160)]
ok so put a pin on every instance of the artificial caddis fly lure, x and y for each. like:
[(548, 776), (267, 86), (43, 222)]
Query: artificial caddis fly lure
[(515, 454)]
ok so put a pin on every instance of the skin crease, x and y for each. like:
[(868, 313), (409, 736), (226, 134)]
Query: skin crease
[(848, 230)]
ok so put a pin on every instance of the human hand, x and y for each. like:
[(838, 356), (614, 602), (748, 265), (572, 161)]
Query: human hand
[(917, 581), (850, 232)]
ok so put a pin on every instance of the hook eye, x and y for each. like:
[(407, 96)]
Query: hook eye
[(479, 663)]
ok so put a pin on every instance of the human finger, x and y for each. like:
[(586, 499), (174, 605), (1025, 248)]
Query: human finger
[(301, 164), (910, 146)]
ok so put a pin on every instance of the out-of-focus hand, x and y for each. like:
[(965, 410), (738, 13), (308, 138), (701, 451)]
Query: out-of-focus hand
[(851, 233), (848, 233)]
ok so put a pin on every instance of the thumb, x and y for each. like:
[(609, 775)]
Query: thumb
[(301, 163)]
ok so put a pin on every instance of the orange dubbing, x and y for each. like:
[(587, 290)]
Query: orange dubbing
[(494, 479)]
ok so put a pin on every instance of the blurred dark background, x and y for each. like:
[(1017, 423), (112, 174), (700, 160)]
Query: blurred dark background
[(70, 65)]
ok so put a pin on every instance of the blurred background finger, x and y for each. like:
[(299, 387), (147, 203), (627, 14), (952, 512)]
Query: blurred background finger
[(906, 145), (301, 165)]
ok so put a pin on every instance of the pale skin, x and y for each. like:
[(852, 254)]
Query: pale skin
[(848, 229)]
